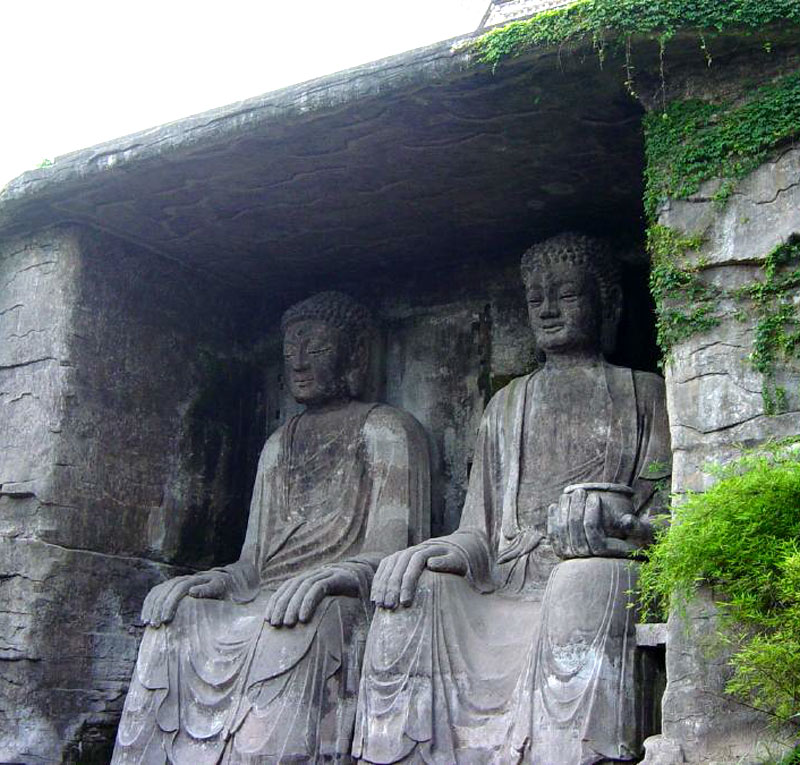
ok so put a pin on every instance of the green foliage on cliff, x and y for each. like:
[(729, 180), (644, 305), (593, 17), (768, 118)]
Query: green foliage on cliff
[(609, 21), (742, 537), (777, 334), (684, 303), (693, 141)]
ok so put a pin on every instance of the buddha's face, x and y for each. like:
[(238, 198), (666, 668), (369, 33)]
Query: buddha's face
[(564, 308), (316, 362)]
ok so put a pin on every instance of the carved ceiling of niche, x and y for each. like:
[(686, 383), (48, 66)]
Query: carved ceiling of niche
[(412, 161)]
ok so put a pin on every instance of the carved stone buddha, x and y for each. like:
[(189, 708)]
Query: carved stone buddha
[(511, 640), (259, 661)]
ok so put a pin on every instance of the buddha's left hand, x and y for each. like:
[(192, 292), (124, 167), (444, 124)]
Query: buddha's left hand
[(297, 599), (587, 524)]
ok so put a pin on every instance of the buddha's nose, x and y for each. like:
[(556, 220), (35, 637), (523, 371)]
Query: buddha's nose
[(549, 307), (300, 359)]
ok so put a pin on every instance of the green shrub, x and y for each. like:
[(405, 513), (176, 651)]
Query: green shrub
[(742, 537)]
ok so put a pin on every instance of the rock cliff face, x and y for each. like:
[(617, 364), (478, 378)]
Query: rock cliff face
[(716, 406), (140, 285), (106, 478)]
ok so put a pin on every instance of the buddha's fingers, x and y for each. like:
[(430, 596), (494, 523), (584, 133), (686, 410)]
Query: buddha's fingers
[(388, 590), (408, 569), (278, 601), (153, 603), (281, 597), (314, 597), (276, 608), (379, 580), (172, 601), (451, 562), (620, 548), (212, 589), (593, 525), (381, 577), (408, 583), (577, 534), (296, 601)]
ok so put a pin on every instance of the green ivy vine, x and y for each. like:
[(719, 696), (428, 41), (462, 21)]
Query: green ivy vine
[(684, 303), (607, 22), (777, 331), (693, 141)]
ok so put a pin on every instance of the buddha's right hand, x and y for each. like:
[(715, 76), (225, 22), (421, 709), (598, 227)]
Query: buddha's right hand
[(163, 600), (395, 581)]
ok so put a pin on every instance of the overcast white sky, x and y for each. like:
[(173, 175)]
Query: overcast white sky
[(78, 72)]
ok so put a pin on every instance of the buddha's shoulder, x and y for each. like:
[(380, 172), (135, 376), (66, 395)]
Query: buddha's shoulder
[(509, 392), (388, 422), (648, 385)]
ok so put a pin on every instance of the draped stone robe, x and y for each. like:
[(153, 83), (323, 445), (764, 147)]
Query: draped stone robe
[(477, 669), (218, 683)]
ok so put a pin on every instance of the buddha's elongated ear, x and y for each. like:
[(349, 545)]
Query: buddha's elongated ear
[(612, 312), (358, 364)]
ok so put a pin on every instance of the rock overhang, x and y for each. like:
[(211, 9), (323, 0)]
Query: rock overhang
[(410, 162)]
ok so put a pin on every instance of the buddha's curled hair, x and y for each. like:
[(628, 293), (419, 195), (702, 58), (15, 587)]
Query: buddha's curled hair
[(576, 249), (334, 308)]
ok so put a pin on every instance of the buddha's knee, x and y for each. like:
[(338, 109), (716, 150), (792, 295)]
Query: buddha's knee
[(585, 593)]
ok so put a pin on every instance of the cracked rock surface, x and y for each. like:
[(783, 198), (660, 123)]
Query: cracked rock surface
[(716, 407)]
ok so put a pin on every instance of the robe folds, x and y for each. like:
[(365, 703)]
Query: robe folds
[(530, 660), (218, 684)]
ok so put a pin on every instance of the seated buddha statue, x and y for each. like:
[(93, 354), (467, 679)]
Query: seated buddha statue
[(259, 660), (511, 639)]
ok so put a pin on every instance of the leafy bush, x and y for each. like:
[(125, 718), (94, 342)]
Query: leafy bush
[(742, 537)]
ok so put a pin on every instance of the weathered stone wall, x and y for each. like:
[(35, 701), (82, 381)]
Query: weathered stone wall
[(716, 408), (445, 356), (114, 464), (37, 277), (155, 438)]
